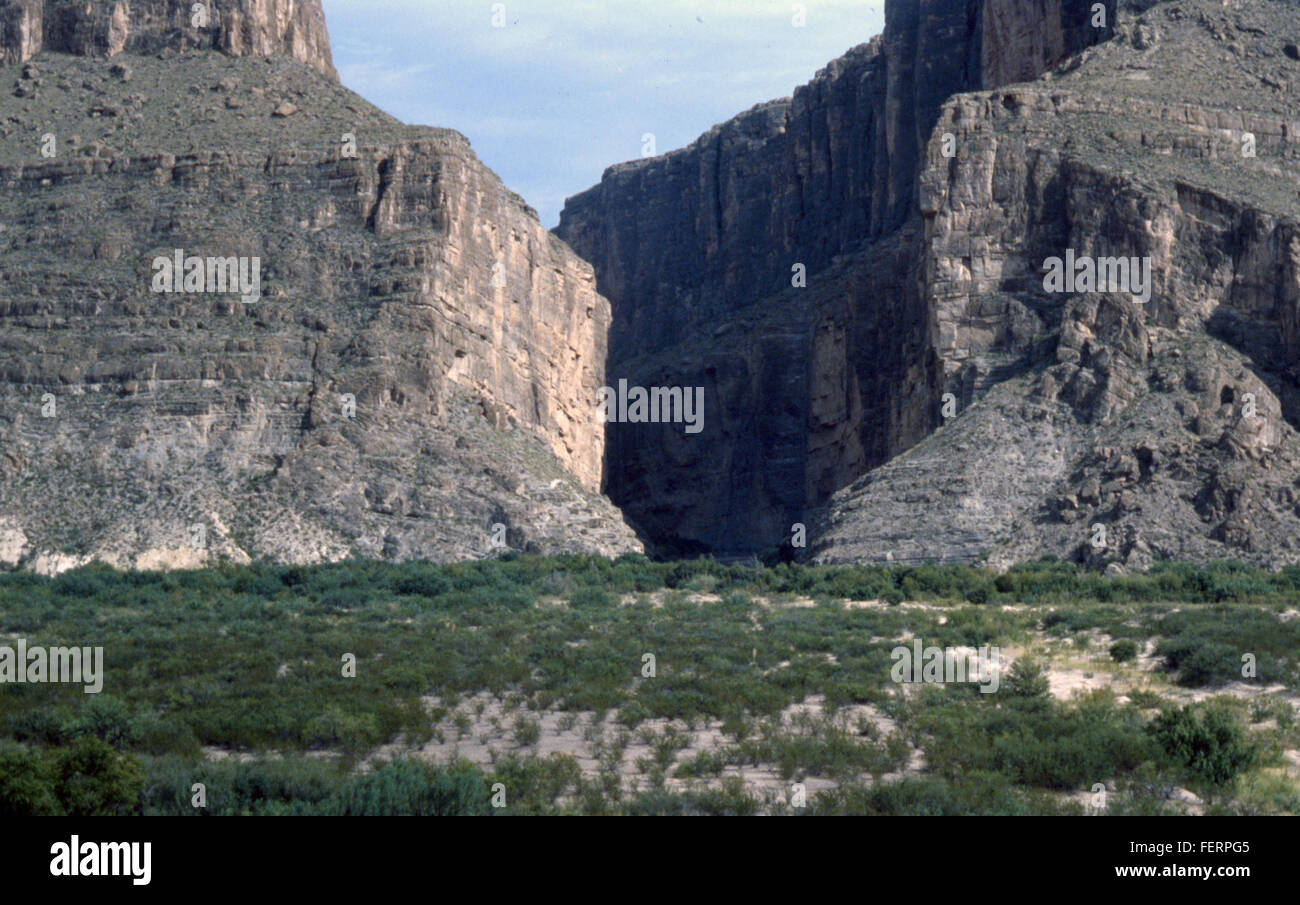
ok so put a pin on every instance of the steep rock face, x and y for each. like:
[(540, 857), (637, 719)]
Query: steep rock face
[(1122, 431), (294, 28), (417, 379), (824, 185)]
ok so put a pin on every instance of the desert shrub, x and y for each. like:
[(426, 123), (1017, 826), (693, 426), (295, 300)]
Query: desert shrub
[(46, 726), (26, 783), (105, 717), (349, 731), (239, 787), (634, 572), (732, 799), (154, 734), (527, 732), (93, 780), (1124, 650), (423, 580), (535, 785), (705, 763), (85, 583), (406, 788), (1045, 744), (1200, 661), (592, 599), (1026, 679), (978, 793), (1212, 747)]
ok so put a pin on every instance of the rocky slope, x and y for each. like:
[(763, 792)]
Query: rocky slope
[(419, 369), (1085, 425)]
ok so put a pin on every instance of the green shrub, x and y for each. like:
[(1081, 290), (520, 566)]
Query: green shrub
[(1213, 748), (26, 783), (104, 717), (425, 581), (93, 780), (1124, 650), (1027, 680), (976, 794), (592, 599), (1200, 661), (406, 788)]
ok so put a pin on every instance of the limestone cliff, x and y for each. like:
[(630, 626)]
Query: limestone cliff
[(416, 377), (690, 245), (295, 28), (1095, 425)]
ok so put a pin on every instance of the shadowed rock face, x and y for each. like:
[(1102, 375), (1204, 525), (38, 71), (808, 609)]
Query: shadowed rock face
[(925, 180), (1117, 431), (422, 363), (294, 28), (692, 245)]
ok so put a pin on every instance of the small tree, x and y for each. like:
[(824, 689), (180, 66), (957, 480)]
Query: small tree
[(93, 780), (26, 784), (1213, 748), (1027, 680)]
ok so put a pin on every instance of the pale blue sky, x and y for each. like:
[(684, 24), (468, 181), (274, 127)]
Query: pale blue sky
[(568, 87)]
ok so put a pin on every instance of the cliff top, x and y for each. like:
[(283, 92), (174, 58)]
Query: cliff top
[(106, 28)]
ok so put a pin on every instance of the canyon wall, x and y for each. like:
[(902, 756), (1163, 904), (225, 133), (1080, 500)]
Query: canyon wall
[(416, 378), (1125, 430), (691, 245), (294, 28)]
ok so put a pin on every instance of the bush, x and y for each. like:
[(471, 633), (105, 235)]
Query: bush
[(104, 717), (1124, 650), (405, 788), (93, 780), (1026, 680), (1199, 661), (1213, 748), (423, 581), (26, 784)]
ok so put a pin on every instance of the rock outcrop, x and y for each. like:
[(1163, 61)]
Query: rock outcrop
[(413, 376), (1126, 431), (821, 186), (295, 28), (927, 395)]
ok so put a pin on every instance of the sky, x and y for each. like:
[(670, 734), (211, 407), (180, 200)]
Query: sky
[(569, 87)]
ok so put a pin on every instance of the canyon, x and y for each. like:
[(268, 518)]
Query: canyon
[(853, 278), (922, 181)]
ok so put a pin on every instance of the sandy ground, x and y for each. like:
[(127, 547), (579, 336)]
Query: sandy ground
[(487, 729)]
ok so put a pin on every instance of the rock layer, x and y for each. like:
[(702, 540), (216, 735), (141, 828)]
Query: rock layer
[(294, 28), (417, 378), (1127, 432), (825, 185)]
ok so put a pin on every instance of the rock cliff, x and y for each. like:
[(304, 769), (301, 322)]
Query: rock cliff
[(1098, 426), (295, 28), (414, 376), (927, 395), (823, 184)]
